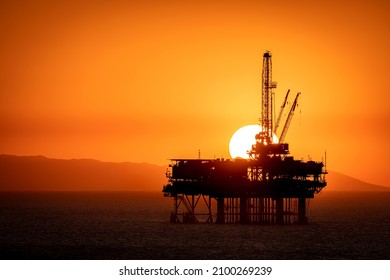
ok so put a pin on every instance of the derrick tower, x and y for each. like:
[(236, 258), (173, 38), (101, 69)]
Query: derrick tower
[(266, 101), (265, 145)]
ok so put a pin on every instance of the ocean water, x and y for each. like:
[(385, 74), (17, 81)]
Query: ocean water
[(73, 225)]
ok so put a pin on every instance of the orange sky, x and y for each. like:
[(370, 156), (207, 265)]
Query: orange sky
[(150, 80)]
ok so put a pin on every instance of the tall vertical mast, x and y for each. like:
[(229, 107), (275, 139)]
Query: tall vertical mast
[(267, 86)]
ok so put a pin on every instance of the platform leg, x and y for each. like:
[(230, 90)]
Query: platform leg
[(279, 211), (243, 211), (220, 211), (302, 219)]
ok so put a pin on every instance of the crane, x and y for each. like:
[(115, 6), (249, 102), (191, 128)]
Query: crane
[(281, 112), (289, 118)]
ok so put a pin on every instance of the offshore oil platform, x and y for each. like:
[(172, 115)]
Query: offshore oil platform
[(270, 187)]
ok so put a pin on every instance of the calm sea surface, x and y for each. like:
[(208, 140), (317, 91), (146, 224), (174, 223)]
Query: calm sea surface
[(136, 226)]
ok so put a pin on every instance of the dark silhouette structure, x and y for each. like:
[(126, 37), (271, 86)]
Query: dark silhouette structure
[(268, 188)]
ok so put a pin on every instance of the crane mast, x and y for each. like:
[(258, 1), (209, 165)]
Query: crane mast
[(289, 118), (281, 112)]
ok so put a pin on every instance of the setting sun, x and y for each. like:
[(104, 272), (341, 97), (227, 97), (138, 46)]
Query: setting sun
[(243, 139)]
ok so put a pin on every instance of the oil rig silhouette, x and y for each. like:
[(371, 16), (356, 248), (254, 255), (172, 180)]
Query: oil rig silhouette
[(268, 188)]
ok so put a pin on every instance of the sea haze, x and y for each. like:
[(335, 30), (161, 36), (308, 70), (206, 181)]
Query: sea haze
[(135, 225)]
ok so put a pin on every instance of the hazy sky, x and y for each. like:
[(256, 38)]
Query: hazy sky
[(145, 81)]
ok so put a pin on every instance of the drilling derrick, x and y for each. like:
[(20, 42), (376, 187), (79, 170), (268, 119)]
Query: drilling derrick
[(268, 188), (266, 104), (265, 145)]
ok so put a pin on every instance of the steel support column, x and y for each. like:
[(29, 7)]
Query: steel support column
[(220, 210), (302, 219), (243, 211), (279, 211)]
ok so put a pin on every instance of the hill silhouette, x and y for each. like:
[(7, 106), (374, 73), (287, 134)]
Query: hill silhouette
[(38, 173), (341, 182)]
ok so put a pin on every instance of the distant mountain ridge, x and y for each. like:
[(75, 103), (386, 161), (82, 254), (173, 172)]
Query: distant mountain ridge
[(340, 182), (38, 173)]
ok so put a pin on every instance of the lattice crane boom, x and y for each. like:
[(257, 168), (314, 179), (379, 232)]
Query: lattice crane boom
[(281, 112), (289, 118)]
